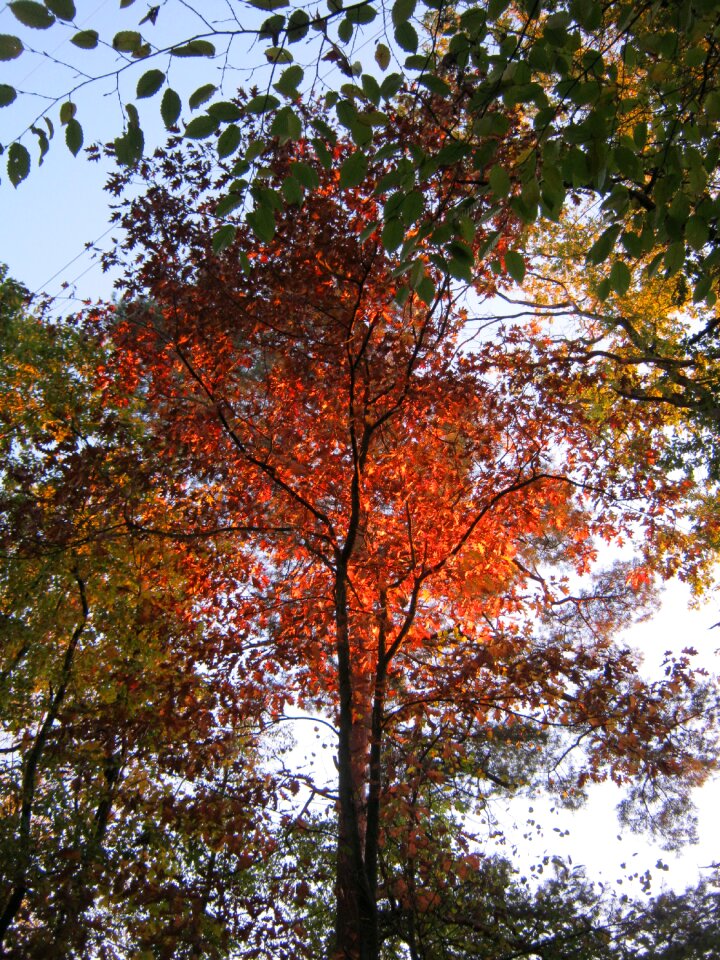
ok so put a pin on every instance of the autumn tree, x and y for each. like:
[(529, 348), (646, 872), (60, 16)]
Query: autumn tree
[(125, 754), (417, 513)]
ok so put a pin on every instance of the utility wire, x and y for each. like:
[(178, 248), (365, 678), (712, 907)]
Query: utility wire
[(88, 247)]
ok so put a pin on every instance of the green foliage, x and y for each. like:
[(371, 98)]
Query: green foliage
[(32, 14), (86, 39), (114, 797), (18, 163), (149, 83), (10, 47), (623, 109)]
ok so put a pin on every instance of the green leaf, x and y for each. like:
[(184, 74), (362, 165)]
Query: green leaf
[(353, 170), (600, 250), (67, 112), (170, 107), (459, 268), (697, 232), (43, 142), (297, 26), (602, 290), (435, 85), (289, 81), (371, 88), (225, 111), (149, 84), (702, 288), (345, 30), (262, 223), (10, 47), (255, 149), (365, 14), (286, 125), (272, 27), (278, 55), (18, 163), (515, 265), (324, 155), (412, 206), (402, 11), (229, 141), (201, 95), (402, 295), (407, 38), (306, 175), (390, 85), (393, 234), (229, 203), (223, 238), (74, 136), (129, 147), (32, 14), (426, 290), (262, 104), (269, 4), (63, 9), (196, 48), (619, 278), (292, 190), (7, 94), (86, 39), (382, 56), (674, 258), (127, 41), (500, 183), (201, 127)]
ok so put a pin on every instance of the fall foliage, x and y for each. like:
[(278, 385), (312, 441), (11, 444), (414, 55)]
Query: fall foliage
[(291, 471), (391, 519)]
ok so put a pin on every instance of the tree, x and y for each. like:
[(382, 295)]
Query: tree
[(410, 515), (618, 102), (125, 754)]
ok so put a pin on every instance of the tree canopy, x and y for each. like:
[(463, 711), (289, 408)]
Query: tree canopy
[(294, 470), (271, 478), (606, 99)]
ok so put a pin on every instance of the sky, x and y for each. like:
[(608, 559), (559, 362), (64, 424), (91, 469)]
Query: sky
[(49, 227)]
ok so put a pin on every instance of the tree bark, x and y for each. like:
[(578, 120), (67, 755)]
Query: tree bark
[(356, 919)]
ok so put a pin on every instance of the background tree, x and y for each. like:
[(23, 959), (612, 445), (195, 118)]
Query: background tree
[(417, 512), (125, 753)]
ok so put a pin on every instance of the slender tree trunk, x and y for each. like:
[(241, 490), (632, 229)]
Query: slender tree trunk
[(29, 777), (356, 921)]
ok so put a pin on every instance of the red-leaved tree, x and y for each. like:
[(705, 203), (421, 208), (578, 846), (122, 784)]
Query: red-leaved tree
[(416, 506)]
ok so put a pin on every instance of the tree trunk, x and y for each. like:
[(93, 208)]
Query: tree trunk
[(356, 921)]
